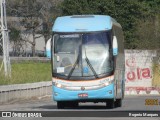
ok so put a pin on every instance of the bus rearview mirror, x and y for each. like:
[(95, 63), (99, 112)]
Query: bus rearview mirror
[(115, 46)]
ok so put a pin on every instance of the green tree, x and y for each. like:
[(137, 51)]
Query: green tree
[(28, 12), (126, 12), (48, 13), (153, 6), (15, 39), (149, 27), (36, 16)]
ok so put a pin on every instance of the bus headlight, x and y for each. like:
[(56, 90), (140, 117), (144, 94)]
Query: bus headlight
[(57, 85), (108, 82)]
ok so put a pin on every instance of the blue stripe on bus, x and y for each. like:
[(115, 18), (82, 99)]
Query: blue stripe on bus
[(66, 95)]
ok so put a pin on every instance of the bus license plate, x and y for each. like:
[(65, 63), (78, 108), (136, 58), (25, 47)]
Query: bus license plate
[(83, 95)]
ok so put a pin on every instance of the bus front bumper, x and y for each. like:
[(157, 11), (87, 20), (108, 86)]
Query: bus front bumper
[(104, 93)]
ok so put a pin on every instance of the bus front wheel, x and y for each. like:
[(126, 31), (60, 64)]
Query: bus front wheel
[(110, 104), (60, 104), (118, 103)]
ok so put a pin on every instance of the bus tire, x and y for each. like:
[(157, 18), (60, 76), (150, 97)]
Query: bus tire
[(60, 105), (110, 104), (118, 103)]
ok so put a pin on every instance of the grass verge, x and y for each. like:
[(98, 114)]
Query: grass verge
[(156, 75), (27, 72)]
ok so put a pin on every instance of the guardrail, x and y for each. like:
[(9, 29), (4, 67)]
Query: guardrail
[(24, 91)]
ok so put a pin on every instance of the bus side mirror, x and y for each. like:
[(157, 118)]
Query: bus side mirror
[(48, 48), (115, 46)]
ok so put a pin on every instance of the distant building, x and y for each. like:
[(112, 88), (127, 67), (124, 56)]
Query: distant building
[(25, 49)]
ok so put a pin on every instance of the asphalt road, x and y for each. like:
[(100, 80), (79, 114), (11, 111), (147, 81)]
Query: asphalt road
[(130, 103)]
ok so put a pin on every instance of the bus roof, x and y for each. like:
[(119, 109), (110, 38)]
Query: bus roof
[(83, 23)]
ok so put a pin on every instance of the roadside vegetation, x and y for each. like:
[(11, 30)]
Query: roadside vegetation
[(156, 75), (27, 72)]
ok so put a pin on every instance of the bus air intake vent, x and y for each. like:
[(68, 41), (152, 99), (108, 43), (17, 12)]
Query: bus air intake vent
[(82, 16)]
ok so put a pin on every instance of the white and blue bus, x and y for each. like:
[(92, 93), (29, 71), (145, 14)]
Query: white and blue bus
[(88, 63)]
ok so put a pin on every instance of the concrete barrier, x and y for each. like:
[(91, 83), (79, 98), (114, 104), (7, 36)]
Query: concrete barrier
[(25, 91), (39, 90)]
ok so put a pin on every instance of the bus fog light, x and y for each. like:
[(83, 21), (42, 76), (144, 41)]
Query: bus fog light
[(55, 94)]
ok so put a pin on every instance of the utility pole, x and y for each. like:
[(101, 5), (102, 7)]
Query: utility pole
[(5, 40)]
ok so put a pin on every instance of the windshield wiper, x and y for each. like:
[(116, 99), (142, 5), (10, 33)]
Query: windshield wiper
[(77, 61), (88, 62), (91, 67)]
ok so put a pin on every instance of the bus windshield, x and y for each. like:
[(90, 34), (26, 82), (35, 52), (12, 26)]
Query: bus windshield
[(82, 56)]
